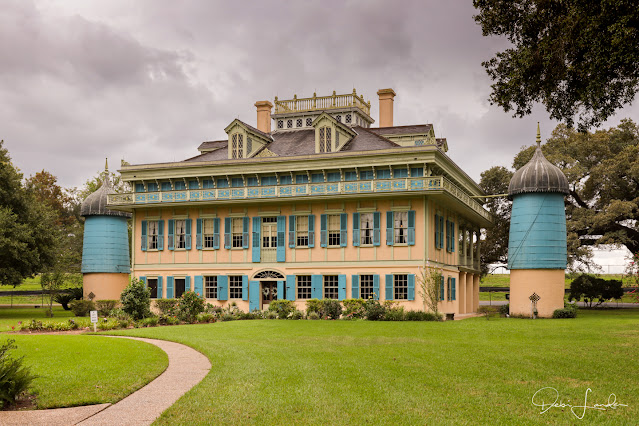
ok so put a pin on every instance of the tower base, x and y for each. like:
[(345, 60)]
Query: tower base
[(547, 283), (104, 285)]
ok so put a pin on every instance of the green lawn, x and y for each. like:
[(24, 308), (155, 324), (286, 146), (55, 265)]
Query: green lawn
[(359, 372), (81, 370), (10, 316), (27, 284)]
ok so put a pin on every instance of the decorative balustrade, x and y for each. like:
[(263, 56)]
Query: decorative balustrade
[(300, 190), (322, 103)]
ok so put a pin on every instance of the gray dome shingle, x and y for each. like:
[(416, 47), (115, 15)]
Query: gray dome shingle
[(538, 175), (96, 204)]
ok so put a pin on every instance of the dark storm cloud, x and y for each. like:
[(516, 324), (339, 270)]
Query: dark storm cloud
[(149, 80)]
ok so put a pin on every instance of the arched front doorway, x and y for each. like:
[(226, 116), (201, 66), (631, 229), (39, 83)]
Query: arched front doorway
[(269, 284)]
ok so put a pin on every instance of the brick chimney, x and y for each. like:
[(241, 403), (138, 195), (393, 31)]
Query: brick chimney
[(264, 116), (386, 99)]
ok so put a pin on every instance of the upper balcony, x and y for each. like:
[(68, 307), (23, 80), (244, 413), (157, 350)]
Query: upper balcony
[(322, 103)]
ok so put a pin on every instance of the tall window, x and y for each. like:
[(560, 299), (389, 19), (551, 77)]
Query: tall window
[(400, 284), (269, 240), (301, 231), (235, 286), (152, 235), (208, 233), (152, 284), (237, 232), (210, 287), (303, 283), (366, 227), (365, 286), (334, 230), (237, 145), (180, 234), (331, 287), (400, 227), (180, 287), (325, 139)]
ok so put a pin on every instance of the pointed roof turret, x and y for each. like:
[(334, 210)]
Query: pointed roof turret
[(95, 204), (538, 175)]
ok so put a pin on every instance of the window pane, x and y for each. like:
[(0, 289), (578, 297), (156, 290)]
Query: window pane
[(331, 287), (303, 284), (365, 286), (401, 287), (210, 287)]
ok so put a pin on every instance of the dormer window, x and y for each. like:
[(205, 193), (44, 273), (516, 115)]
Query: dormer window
[(237, 145), (338, 118), (298, 122), (280, 124), (349, 118), (289, 124), (325, 139), (309, 122), (249, 146)]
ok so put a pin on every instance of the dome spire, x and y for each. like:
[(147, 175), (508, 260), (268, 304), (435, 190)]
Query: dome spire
[(538, 136)]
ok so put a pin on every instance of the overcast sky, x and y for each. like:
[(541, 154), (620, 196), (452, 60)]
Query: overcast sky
[(147, 81)]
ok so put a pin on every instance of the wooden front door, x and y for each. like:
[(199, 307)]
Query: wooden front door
[(269, 292)]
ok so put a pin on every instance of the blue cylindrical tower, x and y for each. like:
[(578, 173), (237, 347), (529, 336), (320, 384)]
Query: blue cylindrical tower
[(537, 249), (105, 251)]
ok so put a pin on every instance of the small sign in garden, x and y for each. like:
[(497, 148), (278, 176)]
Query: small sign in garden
[(94, 319)]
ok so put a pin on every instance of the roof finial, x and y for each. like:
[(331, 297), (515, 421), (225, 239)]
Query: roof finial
[(106, 164), (538, 136)]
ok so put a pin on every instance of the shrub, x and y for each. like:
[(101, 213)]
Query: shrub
[(190, 304), (105, 306), (213, 309), (314, 305), (227, 317), (108, 324), (374, 310), (504, 309), (313, 316), (136, 299), (354, 308), (205, 317), (422, 316), (590, 288), (297, 315), (393, 311), (81, 308), (167, 306), (15, 378), (255, 314), (119, 314), (283, 308), (271, 315), (485, 311), (569, 311), (124, 323), (73, 325), (331, 308), (149, 321)]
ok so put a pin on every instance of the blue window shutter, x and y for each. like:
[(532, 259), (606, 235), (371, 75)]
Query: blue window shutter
[(341, 289), (311, 230), (187, 284), (216, 233), (323, 231), (171, 232), (376, 287), (356, 229), (143, 280), (245, 233), (343, 230), (161, 235), (436, 230), (377, 219), (411, 286), (280, 290), (448, 291), (169, 287), (441, 232), (227, 233), (222, 287), (144, 239), (281, 238), (441, 288), (390, 238), (355, 286), (198, 286), (187, 234), (389, 287), (316, 287), (291, 231), (452, 236), (257, 224), (411, 227), (245, 288), (159, 287), (290, 287), (254, 296), (198, 234), (454, 287)]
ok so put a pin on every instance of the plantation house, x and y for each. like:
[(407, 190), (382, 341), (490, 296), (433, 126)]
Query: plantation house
[(322, 205)]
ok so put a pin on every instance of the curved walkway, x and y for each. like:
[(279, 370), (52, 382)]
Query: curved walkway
[(187, 367)]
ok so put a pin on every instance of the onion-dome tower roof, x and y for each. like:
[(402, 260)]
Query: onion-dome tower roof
[(96, 204), (538, 175)]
